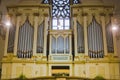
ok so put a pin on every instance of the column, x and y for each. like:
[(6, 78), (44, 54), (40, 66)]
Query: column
[(45, 34), (6, 41), (16, 34), (85, 34), (75, 35), (104, 34), (35, 34)]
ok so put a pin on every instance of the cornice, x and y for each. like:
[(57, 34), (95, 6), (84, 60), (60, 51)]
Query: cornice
[(21, 6), (92, 5)]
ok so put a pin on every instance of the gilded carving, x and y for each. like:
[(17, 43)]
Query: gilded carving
[(111, 14), (102, 14), (18, 14), (36, 14), (84, 14)]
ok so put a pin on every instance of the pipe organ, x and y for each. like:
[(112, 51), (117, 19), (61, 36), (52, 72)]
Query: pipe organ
[(33, 47)]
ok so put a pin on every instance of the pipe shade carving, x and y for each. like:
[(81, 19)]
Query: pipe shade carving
[(95, 40), (25, 40)]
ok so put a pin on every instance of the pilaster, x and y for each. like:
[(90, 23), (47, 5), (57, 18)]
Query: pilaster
[(16, 34), (104, 34), (45, 35), (6, 41), (75, 35), (35, 34), (114, 39), (85, 34)]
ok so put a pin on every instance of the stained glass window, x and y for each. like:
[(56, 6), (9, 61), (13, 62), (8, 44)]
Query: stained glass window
[(61, 13)]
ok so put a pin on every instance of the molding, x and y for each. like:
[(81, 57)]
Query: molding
[(92, 5), (31, 6)]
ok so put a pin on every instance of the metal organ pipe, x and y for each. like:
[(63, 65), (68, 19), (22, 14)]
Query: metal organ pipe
[(80, 38), (95, 40), (25, 40), (40, 38), (11, 39)]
